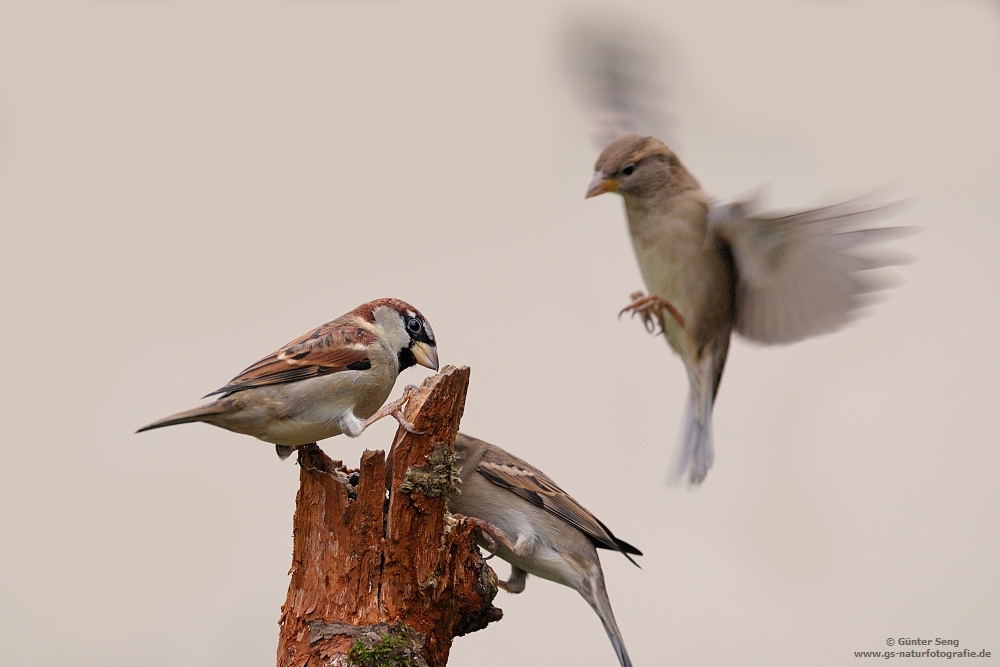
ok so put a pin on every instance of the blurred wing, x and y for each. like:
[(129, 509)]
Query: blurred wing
[(618, 74), (804, 273), (531, 484), (333, 347)]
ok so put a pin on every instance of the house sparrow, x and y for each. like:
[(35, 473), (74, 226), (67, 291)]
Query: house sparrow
[(332, 380), (712, 268), (540, 530)]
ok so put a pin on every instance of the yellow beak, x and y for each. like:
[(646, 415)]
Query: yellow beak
[(425, 355), (600, 185)]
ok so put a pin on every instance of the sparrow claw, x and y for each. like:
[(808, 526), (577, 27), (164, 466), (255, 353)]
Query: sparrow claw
[(395, 410), (406, 424), (650, 309), (491, 534), (491, 549)]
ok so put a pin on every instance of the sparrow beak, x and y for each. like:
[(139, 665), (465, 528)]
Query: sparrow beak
[(600, 185), (425, 355)]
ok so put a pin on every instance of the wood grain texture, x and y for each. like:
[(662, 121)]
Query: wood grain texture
[(380, 567)]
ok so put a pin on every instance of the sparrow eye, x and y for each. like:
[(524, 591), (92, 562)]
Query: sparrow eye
[(413, 325), (628, 169)]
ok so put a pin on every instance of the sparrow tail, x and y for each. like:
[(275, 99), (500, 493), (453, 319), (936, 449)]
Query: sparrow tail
[(594, 592), (697, 449), (195, 415), (620, 651)]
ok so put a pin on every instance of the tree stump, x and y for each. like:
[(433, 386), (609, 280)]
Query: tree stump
[(380, 576)]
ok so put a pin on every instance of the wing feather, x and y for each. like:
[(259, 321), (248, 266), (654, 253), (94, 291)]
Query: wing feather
[(805, 273), (620, 73), (526, 481), (329, 348)]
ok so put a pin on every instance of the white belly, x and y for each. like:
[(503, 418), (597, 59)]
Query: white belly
[(298, 413), (533, 553)]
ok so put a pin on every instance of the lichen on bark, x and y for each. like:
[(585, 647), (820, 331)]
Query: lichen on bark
[(438, 478)]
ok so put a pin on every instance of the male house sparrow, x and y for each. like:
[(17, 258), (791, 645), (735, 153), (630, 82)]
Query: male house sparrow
[(711, 268), (540, 529), (330, 381)]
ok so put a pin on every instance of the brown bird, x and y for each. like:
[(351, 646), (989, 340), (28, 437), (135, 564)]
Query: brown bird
[(332, 380), (711, 268), (539, 528)]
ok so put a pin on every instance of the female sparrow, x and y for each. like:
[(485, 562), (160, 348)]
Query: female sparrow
[(540, 530), (711, 268), (330, 381)]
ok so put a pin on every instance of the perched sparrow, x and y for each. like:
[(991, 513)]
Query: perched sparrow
[(538, 528), (711, 268), (330, 381)]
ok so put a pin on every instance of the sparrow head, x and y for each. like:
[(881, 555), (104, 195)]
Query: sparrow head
[(639, 167), (405, 329)]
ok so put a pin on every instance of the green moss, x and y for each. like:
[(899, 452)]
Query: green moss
[(439, 479), (400, 646)]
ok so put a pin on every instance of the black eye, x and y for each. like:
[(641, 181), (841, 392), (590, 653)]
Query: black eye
[(628, 169), (413, 324)]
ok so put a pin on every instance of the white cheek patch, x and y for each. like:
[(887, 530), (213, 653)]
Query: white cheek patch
[(391, 323)]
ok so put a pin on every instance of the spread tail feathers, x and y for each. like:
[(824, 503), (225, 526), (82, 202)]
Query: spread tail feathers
[(198, 414)]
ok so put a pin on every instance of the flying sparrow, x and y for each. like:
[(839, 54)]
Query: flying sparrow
[(712, 267), (332, 380), (538, 528)]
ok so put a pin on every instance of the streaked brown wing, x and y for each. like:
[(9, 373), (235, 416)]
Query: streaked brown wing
[(332, 347), (530, 483)]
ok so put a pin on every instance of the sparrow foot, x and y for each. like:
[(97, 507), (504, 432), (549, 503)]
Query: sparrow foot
[(302, 450), (490, 534), (650, 309), (395, 409), (516, 582)]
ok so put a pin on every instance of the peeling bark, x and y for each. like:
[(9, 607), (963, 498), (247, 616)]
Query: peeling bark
[(380, 576)]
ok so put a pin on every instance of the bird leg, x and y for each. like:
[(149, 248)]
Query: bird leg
[(515, 582), (491, 535), (302, 450), (650, 309), (394, 409)]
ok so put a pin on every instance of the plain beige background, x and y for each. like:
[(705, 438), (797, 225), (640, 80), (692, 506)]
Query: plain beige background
[(184, 186)]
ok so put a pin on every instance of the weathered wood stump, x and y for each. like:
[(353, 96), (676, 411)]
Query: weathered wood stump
[(379, 575)]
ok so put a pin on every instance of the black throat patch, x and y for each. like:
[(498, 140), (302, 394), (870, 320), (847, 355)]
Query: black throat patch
[(406, 359)]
